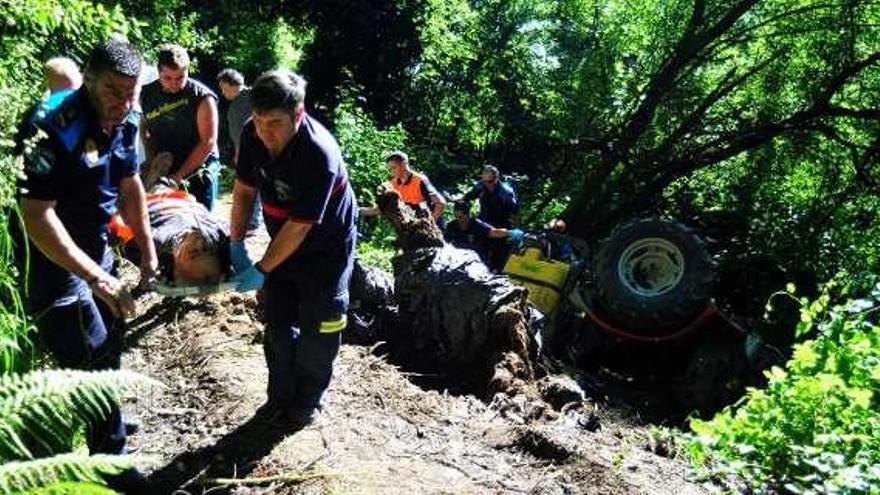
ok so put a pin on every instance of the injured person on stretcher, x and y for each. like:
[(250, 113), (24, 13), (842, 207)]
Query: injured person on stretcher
[(192, 244)]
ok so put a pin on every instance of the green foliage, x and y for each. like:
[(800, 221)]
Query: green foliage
[(365, 146), (42, 411), (73, 474), (15, 328), (168, 21), (243, 44), (376, 254), (816, 426)]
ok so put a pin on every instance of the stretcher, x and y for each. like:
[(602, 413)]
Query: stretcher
[(171, 290)]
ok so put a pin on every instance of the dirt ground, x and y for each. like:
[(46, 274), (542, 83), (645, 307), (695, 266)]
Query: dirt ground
[(381, 432)]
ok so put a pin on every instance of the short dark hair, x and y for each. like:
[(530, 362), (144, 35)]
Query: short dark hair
[(397, 155), (278, 89), (172, 56), (492, 169), (115, 55), (231, 77), (462, 206)]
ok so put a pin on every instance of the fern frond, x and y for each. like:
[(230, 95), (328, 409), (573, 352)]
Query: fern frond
[(61, 472), (71, 488), (40, 412)]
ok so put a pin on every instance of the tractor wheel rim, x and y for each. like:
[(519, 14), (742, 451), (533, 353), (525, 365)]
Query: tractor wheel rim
[(651, 267)]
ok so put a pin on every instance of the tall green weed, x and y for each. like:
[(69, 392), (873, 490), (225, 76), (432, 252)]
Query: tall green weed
[(364, 148)]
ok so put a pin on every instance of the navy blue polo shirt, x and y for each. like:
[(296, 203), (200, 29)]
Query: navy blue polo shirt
[(76, 164), (473, 237), (308, 183), (496, 207)]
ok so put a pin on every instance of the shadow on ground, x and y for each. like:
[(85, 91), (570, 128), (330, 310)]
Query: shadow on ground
[(233, 456)]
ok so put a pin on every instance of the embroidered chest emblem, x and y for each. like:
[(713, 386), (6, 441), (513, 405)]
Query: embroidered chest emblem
[(282, 190)]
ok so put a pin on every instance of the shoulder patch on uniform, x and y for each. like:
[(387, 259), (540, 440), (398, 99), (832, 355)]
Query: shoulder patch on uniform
[(39, 160)]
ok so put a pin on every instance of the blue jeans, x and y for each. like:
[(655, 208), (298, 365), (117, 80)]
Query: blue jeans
[(204, 183)]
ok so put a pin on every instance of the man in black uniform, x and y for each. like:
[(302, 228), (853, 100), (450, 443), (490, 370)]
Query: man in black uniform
[(180, 117), (310, 213), (85, 161), (498, 205)]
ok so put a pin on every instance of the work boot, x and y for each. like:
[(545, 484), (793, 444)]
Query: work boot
[(130, 482), (286, 418), (131, 425)]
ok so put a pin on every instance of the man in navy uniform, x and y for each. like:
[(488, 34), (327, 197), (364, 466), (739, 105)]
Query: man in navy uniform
[(498, 205), (79, 158), (474, 234), (310, 213)]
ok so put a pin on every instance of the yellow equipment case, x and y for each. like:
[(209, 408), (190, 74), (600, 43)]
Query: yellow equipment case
[(544, 278)]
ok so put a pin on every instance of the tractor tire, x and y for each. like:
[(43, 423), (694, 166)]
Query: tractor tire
[(653, 276)]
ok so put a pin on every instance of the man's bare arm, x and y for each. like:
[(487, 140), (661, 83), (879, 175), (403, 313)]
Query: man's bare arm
[(134, 213), (242, 206), (206, 121), (46, 231), (439, 205), (285, 243)]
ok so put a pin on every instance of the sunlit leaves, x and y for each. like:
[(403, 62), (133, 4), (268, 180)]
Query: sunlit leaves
[(815, 427)]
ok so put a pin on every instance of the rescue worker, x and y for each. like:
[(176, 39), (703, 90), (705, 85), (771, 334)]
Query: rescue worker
[(472, 233), (83, 160), (61, 78), (498, 205), (498, 202), (180, 117), (415, 189), (310, 214)]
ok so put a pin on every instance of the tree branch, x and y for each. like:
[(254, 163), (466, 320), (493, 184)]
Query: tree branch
[(689, 46), (842, 77), (863, 113), (727, 85)]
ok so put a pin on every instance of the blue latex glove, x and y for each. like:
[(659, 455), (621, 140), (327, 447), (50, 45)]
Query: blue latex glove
[(238, 255), (516, 235), (249, 279)]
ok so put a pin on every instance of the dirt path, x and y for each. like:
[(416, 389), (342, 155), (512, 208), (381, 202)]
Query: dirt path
[(380, 433)]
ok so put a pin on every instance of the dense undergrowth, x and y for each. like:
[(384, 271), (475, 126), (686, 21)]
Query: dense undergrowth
[(815, 427)]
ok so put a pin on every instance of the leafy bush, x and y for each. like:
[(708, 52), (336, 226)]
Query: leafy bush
[(816, 427), (364, 148), (376, 254), (244, 44)]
